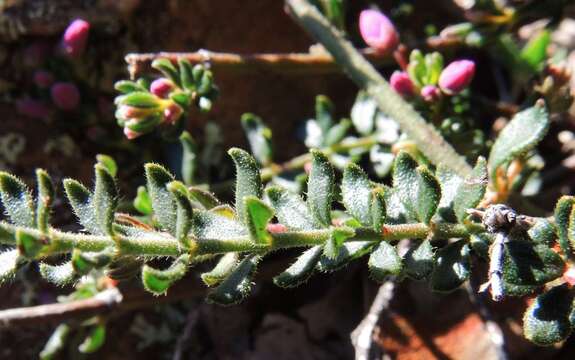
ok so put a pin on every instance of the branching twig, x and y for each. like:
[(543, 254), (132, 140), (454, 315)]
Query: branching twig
[(288, 63), (361, 337), (427, 138), (105, 301)]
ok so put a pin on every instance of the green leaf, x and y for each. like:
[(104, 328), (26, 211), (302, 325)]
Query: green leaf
[(563, 210), (529, 264), (471, 191), (406, 181), (418, 261), (451, 267), (378, 208), (384, 261), (480, 243), (337, 132), (9, 263), (348, 252), (206, 83), (186, 74), (44, 200), (356, 193), (158, 281), (162, 201), (190, 158), (542, 232), (60, 275), (56, 342), (259, 137), (109, 163), (237, 285), (290, 209), (28, 244), (142, 201), (94, 340), (521, 135), (184, 212), (546, 321), (223, 268), (259, 215), (168, 69), (450, 183), (535, 51), (301, 270), (204, 198), (17, 200), (80, 199), (428, 194), (336, 239), (127, 86), (571, 232), (140, 99), (248, 180), (211, 225), (105, 199), (321, 185), (324, 112)]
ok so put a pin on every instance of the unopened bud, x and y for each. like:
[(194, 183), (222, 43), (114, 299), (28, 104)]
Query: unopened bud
[(456, 76), (65, 96), (377, 31), (402, 84), (32, 108), (76, 37), (161, 87), (430, 93), (130, 134), (43, 79), (276, 228), (172, 113)]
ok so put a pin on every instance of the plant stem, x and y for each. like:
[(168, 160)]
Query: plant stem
[(298, 162), (289, 63), (165, 245), (427, 138)]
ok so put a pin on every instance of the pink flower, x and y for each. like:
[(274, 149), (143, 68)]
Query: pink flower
[(131, 134), (172, 113), (377, 31), (402, 84), (430, 93), (456, 76), (43, 79), (161, 87), (32, 108), (75, 38), (65, 96)]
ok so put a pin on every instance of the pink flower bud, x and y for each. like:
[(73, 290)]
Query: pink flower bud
[(75, 38), (402, 84), (161, 87), (430, 93), (307, 167), (43, 79), (172, 113), (32, 108), (456, 76), (131, 134), (65, 96), (276, 228), (377, 31)]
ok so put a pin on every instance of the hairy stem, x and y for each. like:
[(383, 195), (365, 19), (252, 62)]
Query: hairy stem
[(165, 245), (427, 138)]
